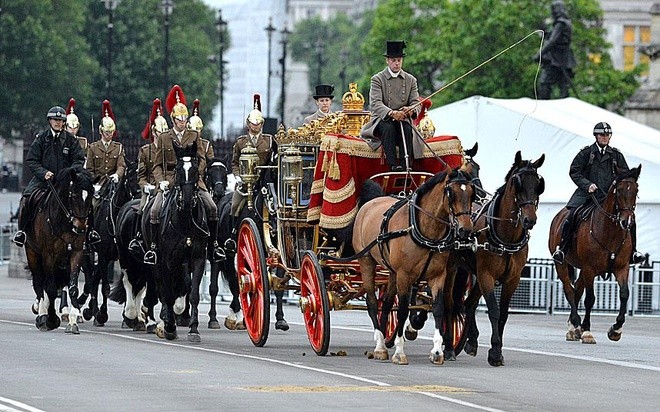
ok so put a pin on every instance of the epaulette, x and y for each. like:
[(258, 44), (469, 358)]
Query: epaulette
[(615, 149)]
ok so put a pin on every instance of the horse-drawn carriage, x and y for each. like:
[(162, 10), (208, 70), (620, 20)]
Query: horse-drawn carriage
[(305, 219)]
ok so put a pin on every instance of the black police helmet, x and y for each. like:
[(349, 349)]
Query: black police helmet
[(602, 128), (57, 113)]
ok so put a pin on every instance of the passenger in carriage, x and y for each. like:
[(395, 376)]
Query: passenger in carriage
[(51, 151), (266, 147), (164, 166), (156, 125), (323, 97), (394, 101), (593, 170), (105, 158), (73, 125)]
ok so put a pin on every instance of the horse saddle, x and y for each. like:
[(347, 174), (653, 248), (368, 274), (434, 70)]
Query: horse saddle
[(584, 212)]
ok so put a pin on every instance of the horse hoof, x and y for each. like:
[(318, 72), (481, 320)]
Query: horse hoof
[(437, 358), (450, 355), (160, 332), (35, 308), (151, 329), (281, 325), (40, 322), (399, 359), (53, 323), (588, 338), (495, 359), (98, 323), (214, 324), (194, 338), (230, 324), (614, 335), (139, 327), (381, 354), (102, 317), (240, 325), (64, 317), (72, 329), (410, 334), (169, 335), (128, 323), (471, 348), (87, 313)]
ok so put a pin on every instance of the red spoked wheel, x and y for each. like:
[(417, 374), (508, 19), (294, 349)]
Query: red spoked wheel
[(458, 317), (392, 322), (314, 303), (253, 282)]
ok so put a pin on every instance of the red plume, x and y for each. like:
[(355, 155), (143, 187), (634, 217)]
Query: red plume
[(175, 96), (257, 102), (146, 133), (196, 107), (71, 106), (426, 104)]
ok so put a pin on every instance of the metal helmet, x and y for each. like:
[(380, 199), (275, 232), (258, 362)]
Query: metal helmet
[(195, 122), (156, 121), (57, 113), (176, 103), (107, 119), (602, 128), (255, 116), (71, 118)]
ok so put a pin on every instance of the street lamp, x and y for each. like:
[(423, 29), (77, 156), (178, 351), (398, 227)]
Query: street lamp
[(320, 48), (221, 27), (269, 29), (110, 5), (285, 39), (167, 6)]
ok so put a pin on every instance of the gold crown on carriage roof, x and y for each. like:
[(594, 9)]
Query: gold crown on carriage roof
[(352, 99)]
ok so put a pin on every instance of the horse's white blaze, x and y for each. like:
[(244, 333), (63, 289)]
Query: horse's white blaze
[(84, 195), (179, 305), (437, 342), (398, 348), (380, 340), (186, 165), (130, 311)]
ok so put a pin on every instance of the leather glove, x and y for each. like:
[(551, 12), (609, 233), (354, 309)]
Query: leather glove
[(164, 185), (114, 177)]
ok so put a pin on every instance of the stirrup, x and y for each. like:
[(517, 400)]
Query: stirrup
[(558, 256), (150, 258), (230, 245), (93, 237), (218, 254), (135, 246), (19, 238)]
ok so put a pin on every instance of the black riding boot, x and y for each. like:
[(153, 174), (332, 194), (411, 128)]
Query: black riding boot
[(558, 256), (635, 257), (151, 257), (216, 253), (19, 236)]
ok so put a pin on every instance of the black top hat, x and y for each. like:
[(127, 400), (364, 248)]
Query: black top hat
[(324, 90), (395, 48)]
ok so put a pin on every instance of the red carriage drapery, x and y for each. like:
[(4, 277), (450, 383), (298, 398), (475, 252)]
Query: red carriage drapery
[(345, 162)]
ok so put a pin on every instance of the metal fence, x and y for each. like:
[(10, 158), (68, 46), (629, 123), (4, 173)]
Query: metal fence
[(540, 291)]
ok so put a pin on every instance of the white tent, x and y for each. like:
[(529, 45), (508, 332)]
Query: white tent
[(558, 129)]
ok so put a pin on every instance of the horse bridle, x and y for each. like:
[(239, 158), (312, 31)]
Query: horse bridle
[(67, 212), (614, 217)]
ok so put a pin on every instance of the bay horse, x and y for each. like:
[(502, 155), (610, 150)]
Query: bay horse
[(601, 246), (182, 242), (54, 245), (216, 182), (413, 243), (112, 197), (503, 228)]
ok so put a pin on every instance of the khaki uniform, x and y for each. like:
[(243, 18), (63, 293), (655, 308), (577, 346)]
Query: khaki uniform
[(208, 150), (265, 145), (103, 162), (145, 171), (83, 144)]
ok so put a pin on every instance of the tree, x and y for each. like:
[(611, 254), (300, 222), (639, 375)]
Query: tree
[(44, 60), (456, 36)]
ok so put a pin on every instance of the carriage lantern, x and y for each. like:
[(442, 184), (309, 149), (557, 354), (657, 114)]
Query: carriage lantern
[(247, 164), (292, 171)]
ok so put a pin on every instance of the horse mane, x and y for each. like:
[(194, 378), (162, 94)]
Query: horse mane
[(430, 184), (627, 173), (83, 179)]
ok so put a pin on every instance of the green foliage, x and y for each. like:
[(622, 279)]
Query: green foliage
[(53, 50)]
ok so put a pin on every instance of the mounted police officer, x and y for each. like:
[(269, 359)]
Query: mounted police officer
[(51, 151), (164, 170), (593, 170)]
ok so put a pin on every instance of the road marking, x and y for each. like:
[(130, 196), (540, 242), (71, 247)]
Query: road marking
[(17, 404), (301, 389)]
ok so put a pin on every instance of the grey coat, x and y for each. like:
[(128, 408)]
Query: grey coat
[(588, 167), (388, 93)]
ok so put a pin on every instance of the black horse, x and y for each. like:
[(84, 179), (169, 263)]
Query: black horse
[(181, 243), (112, 196), (54, 247), (216, 182)]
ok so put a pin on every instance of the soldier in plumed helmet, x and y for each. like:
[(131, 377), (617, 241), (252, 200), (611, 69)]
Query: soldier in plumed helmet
[(52, 150), (164, 166), (195, 123), (593, 170), (73, 125)]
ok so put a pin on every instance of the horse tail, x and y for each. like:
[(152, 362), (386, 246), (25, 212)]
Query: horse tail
[(117, 291), (370, 191)]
